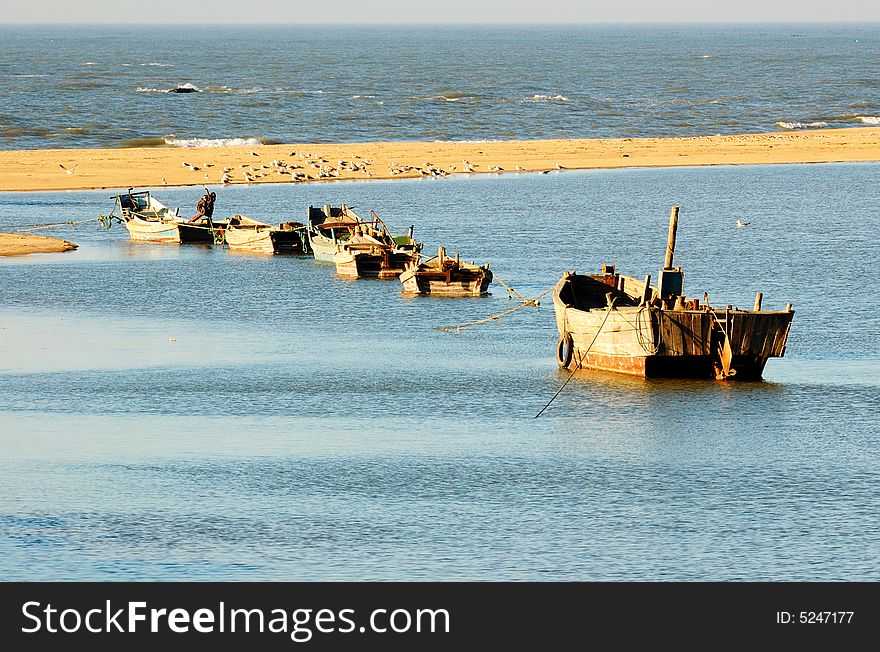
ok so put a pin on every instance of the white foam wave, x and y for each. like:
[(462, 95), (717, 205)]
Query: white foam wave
[(28, 76), (802, 125), (548, 98), (211, 142), (144, 89), (452, 97), (90, 63), (869, 119), (363, 97)]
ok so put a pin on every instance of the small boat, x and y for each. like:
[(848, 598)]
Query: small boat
[(617, 323), (373, 252), (250, 235), (328, 227), (447, 277), (149, 220)]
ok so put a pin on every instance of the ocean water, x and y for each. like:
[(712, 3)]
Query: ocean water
[(302, 427), (100, 86)]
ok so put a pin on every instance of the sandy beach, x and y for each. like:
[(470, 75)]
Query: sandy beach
[(18, 244), (79, 169)]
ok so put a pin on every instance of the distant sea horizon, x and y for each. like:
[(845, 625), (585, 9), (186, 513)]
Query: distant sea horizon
[(104, 85)]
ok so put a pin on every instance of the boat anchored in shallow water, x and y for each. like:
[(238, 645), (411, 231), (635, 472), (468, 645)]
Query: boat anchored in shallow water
[(328, 228), (447, 277), (149, 220), (617, 323), (373, 252), (249, 235)]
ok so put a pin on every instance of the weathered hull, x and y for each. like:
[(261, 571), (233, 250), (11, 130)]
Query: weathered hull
[(192, 233), (323, 249), (174, 232), (367, 265), (653, 342), (145, 231), (455, 284), (265, 241)]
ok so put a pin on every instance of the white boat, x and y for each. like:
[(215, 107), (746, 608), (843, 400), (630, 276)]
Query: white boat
[(149, 220), (329, 227)]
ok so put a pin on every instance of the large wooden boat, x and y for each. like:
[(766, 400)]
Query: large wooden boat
[(149, 220), (617, 323), (447, 277), (249, 235)]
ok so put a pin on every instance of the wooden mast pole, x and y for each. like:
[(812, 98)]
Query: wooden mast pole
[(670, 243)]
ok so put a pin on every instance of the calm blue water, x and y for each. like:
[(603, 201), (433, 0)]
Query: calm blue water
[(306, 427), (106, 86)]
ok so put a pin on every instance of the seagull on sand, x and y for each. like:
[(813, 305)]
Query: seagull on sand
[(740, 224), (68, 170)]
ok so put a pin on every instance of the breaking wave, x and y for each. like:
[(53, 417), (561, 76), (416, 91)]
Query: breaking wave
[(452, 97), (802, 125), (548, 98), (869, 119), (229, 90), (211, 142)]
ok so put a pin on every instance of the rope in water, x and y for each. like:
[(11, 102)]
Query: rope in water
[(581, 357), (525, 303), (510, 290), (40, 227)]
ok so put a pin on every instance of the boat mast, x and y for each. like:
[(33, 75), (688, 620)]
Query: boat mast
[(670, 280), (670, 243)]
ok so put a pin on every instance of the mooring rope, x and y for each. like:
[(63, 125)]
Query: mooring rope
[(510, 290), (40, 227), (580, 359), (524, 304)]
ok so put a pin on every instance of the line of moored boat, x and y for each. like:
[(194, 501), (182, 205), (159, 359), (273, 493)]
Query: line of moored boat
[(358, 247), (606, 321)]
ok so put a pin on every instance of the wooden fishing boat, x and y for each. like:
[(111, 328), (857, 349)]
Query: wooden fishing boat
[(328, 228), (149, 220), (447, 277), (368, 256), (373, 252), (249, 235), (617, 323)]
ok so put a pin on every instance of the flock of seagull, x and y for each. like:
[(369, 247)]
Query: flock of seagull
[(320, 168), (310, 167)]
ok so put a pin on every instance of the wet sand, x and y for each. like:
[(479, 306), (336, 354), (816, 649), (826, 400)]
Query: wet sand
[(154, 167), (18, 244)]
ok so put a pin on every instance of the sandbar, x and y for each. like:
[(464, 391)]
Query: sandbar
[(18, 244), (152, 167)]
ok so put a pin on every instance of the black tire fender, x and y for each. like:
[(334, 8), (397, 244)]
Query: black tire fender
[(564, 350)]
